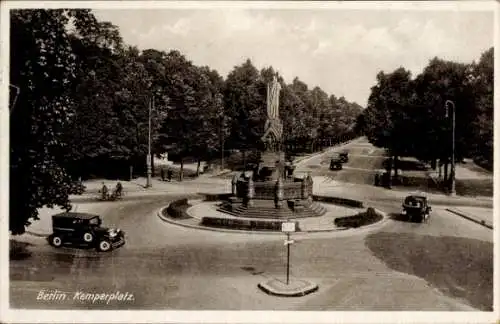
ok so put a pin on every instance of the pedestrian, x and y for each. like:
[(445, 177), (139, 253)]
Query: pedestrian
[(119, 189), (169, 175), (104, 191), (162, 173)]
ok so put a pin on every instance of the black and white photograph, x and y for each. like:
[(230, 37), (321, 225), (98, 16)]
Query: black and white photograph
[(323, 162)]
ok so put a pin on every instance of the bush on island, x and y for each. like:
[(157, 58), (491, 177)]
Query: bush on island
[(367, 217), (243, 224), (177, 209), (339, 201)]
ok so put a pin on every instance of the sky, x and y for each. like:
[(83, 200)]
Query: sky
[(340, 51)]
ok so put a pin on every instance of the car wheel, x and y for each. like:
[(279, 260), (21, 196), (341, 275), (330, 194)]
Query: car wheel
[(55, 241), (88, 237), (104, 246)]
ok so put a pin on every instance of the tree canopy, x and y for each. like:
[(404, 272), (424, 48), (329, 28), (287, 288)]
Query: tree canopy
[(408, 116)]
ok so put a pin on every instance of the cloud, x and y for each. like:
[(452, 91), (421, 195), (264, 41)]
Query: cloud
[(341, 51)]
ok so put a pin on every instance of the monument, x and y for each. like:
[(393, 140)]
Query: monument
[(272, 162), (268, 192)]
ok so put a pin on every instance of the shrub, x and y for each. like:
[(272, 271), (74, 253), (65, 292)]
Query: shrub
[(177, 209), (243, 224), (217, 197), (367, 217), (340, 201)]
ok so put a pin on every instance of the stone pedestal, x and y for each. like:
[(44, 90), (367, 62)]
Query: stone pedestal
[(274, 162)]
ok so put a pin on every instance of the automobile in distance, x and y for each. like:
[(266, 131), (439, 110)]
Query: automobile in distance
[(336, 162), (84, 229), (416, 208), (344, 156)]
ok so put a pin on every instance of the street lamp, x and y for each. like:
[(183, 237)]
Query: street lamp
[(148, 158), (447, 104)]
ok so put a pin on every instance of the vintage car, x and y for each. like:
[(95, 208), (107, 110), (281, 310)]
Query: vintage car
[(344, 156), (84, 229), (416, 208), (336, 162)]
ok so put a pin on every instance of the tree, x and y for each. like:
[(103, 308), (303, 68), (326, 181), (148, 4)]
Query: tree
[(388, 117), (43, 66), (482, 80), (245, 105)]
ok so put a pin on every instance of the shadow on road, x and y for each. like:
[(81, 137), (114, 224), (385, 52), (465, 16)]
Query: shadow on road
[(398, 217), (19, 250), (459, 267)]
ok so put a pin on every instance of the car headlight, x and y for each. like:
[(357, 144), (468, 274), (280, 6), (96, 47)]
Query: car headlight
[(403, 212)]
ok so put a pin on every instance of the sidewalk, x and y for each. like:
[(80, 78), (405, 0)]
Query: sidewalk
[(483, 216)]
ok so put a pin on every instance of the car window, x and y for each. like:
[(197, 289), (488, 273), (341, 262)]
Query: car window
[(94, 221)]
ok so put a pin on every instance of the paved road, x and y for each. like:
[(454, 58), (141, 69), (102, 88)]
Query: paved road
[(443, 265)]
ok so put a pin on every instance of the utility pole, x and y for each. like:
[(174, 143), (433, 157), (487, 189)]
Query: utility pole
[(148, 159), (222, 140), (447, 103)]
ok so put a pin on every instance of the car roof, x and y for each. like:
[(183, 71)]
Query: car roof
[(416, 197), (75, 215)]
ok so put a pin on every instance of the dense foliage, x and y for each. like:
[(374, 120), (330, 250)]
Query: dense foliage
[(87, 99), (408, 116), (43, 66)]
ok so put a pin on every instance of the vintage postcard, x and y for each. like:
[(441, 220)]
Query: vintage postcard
[(249, 161)]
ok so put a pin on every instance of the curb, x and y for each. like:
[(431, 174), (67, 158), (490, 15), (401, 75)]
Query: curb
[(159, 213), (472, 219), (298, 292)]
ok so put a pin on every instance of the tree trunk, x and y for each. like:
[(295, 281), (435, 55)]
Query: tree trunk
[(181, 173), (445, 172), (198, 168), (396, 164), (440, 169), (244, 153)]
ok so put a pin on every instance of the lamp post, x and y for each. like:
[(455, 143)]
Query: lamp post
[(447, 104), (148, 158)]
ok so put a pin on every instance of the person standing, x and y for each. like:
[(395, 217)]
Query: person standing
[(104, 191), (162, 172)]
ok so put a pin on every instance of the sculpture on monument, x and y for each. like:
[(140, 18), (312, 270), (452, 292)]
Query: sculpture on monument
[(273, 129)]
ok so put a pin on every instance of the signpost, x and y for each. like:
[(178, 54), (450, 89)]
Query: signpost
[(288, 227)]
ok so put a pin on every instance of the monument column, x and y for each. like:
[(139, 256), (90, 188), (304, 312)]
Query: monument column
[(273, 157)]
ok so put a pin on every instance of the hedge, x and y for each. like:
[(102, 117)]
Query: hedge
[(177, 209), (339, 201), (244, 224), (367, 217), (217, 197)]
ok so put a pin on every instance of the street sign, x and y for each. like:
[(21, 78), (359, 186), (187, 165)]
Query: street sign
[(289, 242), (288, 227)]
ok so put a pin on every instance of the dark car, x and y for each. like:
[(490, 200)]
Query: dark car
[(344, 156), (84, 229), (416, 208), (336, 162)]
